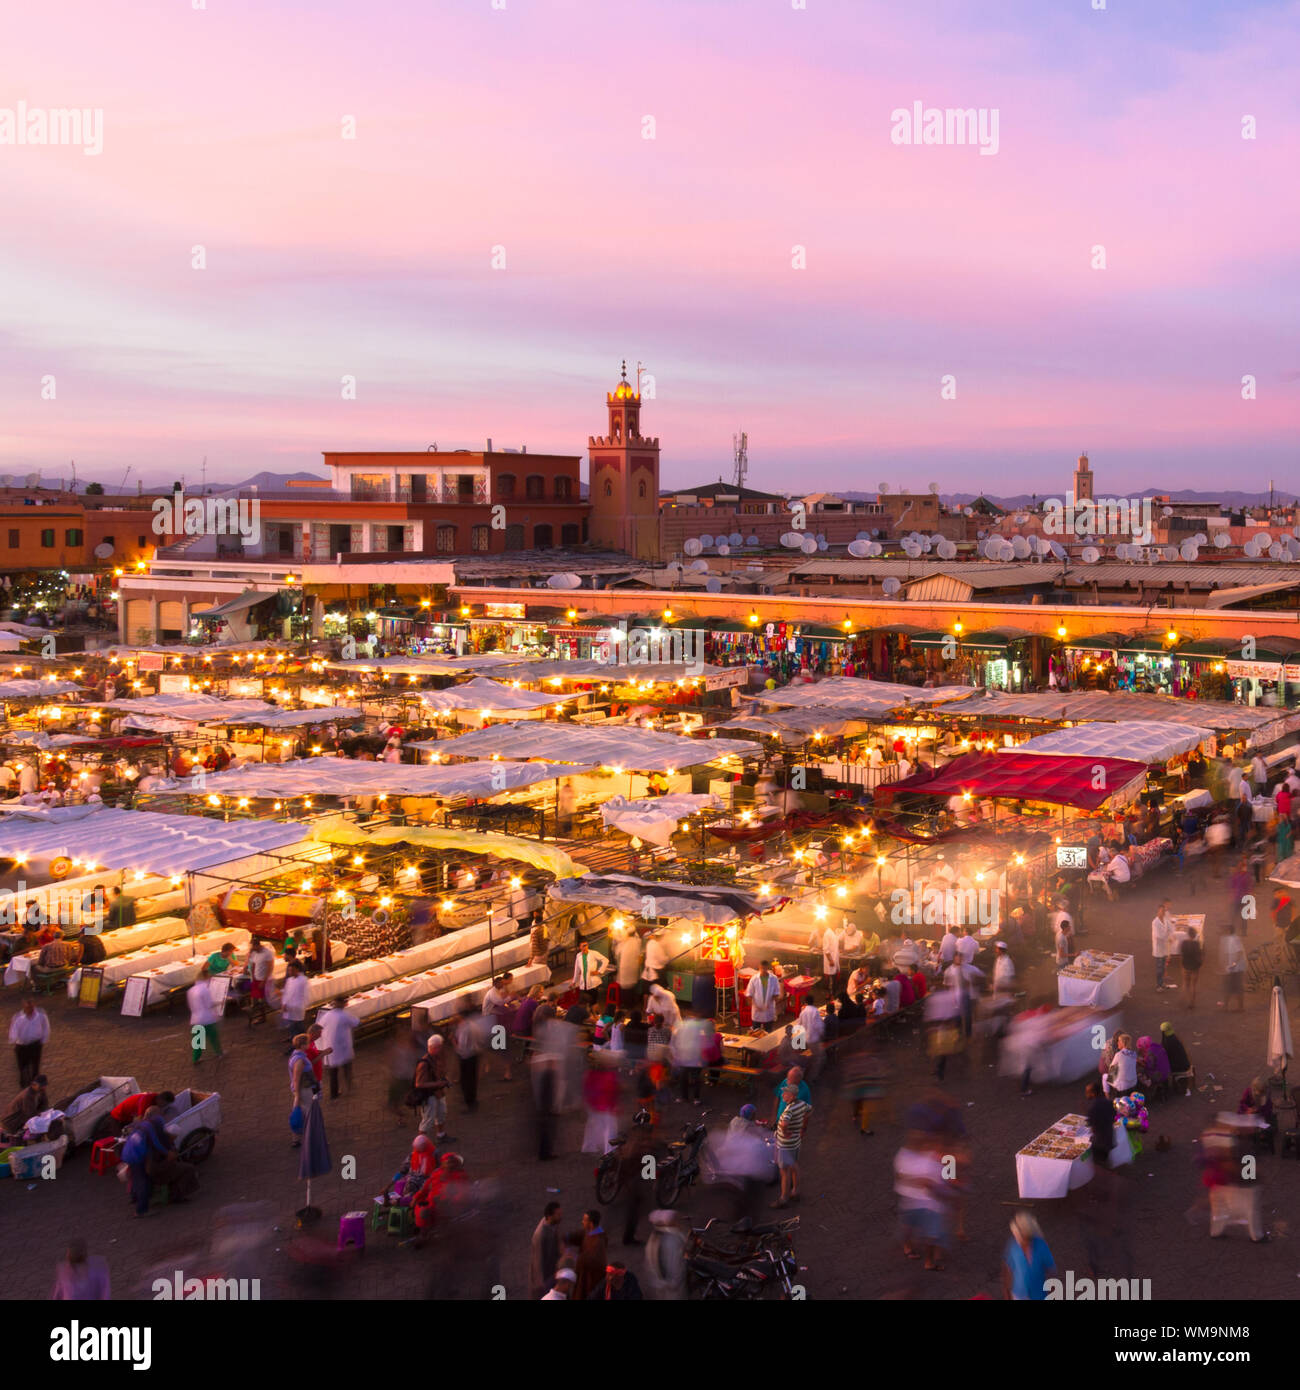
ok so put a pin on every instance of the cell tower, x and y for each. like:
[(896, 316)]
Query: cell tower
[(740, 452)]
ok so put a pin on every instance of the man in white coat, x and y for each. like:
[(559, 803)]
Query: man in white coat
[(763, 992), (337, 1026), (588, 967), (830, 959)]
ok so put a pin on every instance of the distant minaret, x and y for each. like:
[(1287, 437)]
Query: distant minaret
[(1082, 480)]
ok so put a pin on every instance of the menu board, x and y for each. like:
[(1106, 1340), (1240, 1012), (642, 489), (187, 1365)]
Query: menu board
[(134, 996), (90, 986)]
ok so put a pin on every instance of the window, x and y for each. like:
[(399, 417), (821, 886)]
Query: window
[(110, 540), (480, 538), (15, 540), (570, 533), (445, 539), (535, 487), (47, 538), (641, 489), (609, 488), (141, 542), (505, 487), (563, 488), (542, 538), (72, 537), (514, 537)]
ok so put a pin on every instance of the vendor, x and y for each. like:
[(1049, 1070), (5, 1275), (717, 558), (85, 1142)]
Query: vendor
[(32, 1100), (133, 1108), (220, 962)]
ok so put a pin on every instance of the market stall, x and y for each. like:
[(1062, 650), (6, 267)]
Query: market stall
[(1098, 979), (1060, 1159)]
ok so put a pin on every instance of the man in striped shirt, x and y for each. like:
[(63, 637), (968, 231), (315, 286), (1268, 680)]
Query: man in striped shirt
[(789, 1136)]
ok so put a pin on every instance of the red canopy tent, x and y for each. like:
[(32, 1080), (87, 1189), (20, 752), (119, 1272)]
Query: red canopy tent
[(1064, 779)]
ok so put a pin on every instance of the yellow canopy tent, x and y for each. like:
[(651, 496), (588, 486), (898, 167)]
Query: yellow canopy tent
[(337, 831)]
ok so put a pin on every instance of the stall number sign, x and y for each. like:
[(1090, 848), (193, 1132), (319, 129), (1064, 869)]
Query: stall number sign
[(151, 661), (1071, 856), (1260, 670)]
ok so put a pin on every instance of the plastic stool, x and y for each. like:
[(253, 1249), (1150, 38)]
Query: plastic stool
[(724, 984), (103, 1156), (400, 1222), (378, 1217), (795, 997), (352, 1231)]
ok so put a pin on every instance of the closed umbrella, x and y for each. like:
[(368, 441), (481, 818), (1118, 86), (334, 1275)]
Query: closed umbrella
[(1279, 1032), (314, 1157)]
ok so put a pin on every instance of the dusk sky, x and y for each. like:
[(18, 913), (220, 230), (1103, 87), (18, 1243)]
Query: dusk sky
[(523, 127)]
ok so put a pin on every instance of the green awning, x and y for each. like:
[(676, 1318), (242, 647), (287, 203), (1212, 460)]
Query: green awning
[(1096, 642)]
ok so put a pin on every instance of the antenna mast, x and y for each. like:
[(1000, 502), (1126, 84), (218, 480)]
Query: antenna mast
[(740, 452)]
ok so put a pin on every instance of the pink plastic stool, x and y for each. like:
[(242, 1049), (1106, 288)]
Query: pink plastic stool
[(352, 1231)]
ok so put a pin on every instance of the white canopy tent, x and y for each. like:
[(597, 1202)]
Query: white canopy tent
[(423, 665), (651, 898), (20, 689), (1144, 741), (797, 725), (298, 718), (348, 778), (190, 708), (144, 841), (654, 818), (853, 696), (1263, 724), (487, 697), (620, 747)]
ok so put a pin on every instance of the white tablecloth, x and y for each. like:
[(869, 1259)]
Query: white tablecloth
[(137, 962), (410, 989), (116, 943), (1097, 994), (1057, 1177), (366, 974), (467, 998), (1068, 1058)]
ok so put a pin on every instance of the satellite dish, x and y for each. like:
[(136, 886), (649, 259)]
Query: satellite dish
[(724, 549), (863, 536), (792, 540), (753, 540), (927, 544), (911, 549), (1275, 551), (692, 547), (1170, 552), (970, 511), (706, 541), (713, 584), (1201, 538), (1058, 550), (809, 545), (1187, 551), (875, 535), (735, 539), (891, 587), (564, 581), (875, 549), (823, 543), (1020, 548), (947, 550), (882, 487), (859, 549), (103, 550), (699, 567), (1022, 518), (1166, 511), (1090, 555)]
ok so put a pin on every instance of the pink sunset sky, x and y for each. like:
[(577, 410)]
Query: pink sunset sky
[(522, 128)]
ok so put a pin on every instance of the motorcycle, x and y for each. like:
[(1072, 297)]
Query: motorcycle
[(742, 1241), (768, 1274)]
